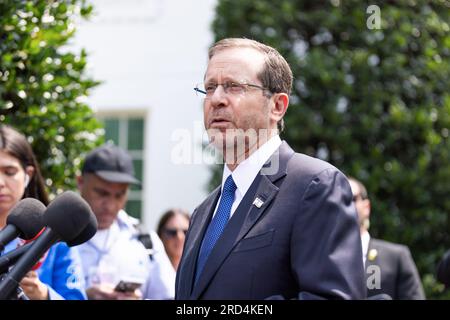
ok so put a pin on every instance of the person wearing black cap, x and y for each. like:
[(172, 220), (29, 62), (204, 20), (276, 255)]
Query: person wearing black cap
[(115, 253)]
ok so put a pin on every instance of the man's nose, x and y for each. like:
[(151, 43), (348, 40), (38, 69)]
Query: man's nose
[(2, 180), (180, 234), (108, 203), (219, 96)]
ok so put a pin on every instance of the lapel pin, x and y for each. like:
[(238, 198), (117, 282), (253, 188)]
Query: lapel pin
[(372, 254), (258, 202)]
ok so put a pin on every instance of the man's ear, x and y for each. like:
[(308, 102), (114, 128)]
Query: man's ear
[(280, 105), (366, 204), (80, 182)]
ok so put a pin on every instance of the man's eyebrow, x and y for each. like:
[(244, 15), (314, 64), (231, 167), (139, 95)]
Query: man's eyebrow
[(101, 190), (226, 79)]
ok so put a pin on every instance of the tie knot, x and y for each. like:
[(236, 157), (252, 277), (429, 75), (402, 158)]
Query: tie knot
[(229, 185)]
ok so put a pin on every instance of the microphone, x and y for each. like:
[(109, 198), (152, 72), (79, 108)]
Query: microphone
[(66, 218), (41, 260), (11, 257), (88, 232), (24, 221)]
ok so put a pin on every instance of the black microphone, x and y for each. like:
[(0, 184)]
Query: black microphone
[(11, 257), (24, 221), (87, 233), (66, 218), (443, 270)]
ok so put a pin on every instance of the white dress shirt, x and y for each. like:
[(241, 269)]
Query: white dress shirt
[(365, 238), (247, 170)]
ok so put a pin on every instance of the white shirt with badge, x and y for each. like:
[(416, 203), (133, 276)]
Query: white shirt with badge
[(115, 255)]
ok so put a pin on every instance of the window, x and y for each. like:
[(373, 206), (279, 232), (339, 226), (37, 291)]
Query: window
[(128, 133)]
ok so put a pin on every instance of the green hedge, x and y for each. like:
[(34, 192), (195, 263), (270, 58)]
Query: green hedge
[(43, 85)]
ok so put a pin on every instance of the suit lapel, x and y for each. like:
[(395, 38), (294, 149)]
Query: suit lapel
[(266, 193), (372, 253), (244, 218), (199, 226), (267, 190)]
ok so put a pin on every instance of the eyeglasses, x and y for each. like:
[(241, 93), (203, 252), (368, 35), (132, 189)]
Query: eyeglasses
[(230, 87), (172, 233)]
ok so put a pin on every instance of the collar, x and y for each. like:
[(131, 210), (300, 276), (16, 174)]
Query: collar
[(365, 239), (247, 170), (125, 221), (104, 238)]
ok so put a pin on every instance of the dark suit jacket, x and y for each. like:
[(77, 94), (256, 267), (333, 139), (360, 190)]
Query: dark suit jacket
[(443, 270), (304, 239), (399, 277)]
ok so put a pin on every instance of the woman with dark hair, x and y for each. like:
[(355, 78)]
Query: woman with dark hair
[(172, 229), (60, 275)]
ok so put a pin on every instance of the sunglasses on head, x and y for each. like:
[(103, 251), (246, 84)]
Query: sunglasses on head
[(172, 233)]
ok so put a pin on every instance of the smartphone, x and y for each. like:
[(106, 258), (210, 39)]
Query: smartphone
[(127, 286)]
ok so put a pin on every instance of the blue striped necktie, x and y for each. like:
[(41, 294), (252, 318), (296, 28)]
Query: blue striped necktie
[(217, 224)]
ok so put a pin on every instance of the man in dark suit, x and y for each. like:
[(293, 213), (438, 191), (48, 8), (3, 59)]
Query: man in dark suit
[(390, 268), (443, 270), (282, 224)]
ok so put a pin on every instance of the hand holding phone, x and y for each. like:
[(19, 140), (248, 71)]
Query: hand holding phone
[(127, 286)]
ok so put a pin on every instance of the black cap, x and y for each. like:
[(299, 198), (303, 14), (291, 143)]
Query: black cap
[(110, 163)]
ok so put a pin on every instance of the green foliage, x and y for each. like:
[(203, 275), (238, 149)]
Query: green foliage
[(43, 86), (374, 102)]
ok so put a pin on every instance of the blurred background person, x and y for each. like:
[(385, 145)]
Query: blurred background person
[(60, 275), (443, 270), (115, 254), (398, 276), (172, 229)]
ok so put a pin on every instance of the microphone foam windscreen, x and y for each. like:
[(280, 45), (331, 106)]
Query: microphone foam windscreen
[(86, 234), (27, 216), (68, 215)]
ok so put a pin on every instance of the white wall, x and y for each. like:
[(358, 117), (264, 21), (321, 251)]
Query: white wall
[(149, 55)]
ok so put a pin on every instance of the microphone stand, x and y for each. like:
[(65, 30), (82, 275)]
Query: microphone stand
[(18, 294)]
